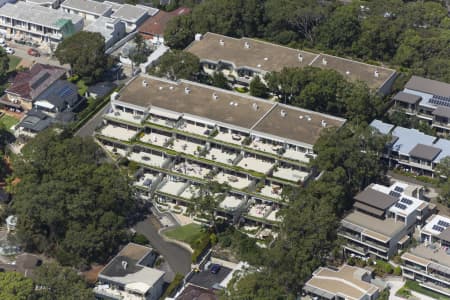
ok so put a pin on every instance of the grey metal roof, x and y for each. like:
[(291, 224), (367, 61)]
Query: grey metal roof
[(36, 14), (442, 111), (407, 98), (61, 94), (445, 235), (375, 198), (409, 138), (369, 209), (425, 152), (36, 121), (88, 6), (429, 86), (382, 127)]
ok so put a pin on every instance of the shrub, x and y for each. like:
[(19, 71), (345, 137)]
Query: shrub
[(200, 247), (397, 271), (173, 286), (140, 239)]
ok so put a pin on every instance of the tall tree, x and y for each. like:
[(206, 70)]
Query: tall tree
[(140, 54), (66, 190), (85, 53), (14, 286), (4, 64), (258, 88), (176, 65)]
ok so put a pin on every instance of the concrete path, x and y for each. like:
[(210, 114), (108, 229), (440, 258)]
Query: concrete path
[(89, 127)]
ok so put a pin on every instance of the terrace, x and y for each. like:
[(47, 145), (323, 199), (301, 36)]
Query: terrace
[(273, 191), (147, 158), (185, 146), (166, 122), (196, 129), (127, 116), (265, 146), (221, 156), (260, 211), (172, 187), (290, 174), (230, 137), (155, 138), (235, 181), (191, 169), (146, 180), (115, 150), (273, 216), (231, 203), (118, 132), (297, 155), (255, 164), (190, 192)]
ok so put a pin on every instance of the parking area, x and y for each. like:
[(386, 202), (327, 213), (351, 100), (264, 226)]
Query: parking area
[(207, 279)]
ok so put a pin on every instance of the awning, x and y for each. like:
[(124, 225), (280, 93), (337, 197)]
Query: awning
[(44, 104), (164, 113)]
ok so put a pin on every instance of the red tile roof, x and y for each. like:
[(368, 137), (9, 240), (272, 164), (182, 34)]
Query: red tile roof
[(31, 83), (157, 24)]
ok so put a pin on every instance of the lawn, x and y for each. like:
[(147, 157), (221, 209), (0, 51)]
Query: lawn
[(13, 62), (189, 234), (415, 286), (8, 121)]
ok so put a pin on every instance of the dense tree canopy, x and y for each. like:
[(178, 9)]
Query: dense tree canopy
[(14, 286), (412, 34), (85, 53), (4, 64), (176, 65), (67, 189)]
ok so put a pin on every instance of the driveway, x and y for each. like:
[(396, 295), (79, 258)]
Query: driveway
[(89, 127), (178, 257)]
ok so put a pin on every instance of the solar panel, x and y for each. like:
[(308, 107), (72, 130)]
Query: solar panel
[(438, 228), (443, 223), (65, 91), (398, 189), (394, 194), (407, 201), (441, 101), (401, 206)]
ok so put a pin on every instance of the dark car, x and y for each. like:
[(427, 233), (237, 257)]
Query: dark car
[(215, 268)]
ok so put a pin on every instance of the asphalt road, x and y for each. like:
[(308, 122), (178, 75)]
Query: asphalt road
[(89, 127), (179, 259), (21, 51)]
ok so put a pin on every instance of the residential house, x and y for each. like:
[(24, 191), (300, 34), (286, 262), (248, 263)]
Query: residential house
[(429, 262), (89, 10), (28, 85), (131, 15), (130, 275), (242, 59), (23, 20), (346, 282), (46, 3), (153, 28), (427, 99), (383, 219), (412, 150), (112, 30)]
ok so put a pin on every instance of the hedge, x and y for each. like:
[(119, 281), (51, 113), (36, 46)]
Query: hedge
[(173, 286), (200, 247)]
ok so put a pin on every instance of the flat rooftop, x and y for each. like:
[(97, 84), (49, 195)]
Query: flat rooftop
[(387, 227), (36, 14), (227, 107), (268, 57), (87, 6), (344, 282), (433, 253), (428, 86)]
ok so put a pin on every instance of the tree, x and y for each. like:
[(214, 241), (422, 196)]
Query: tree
[(14, 286), (140, 54), (85, 53), (67, 189), (60, 283), (208, 200), (177, 64), (258, 88), (4, 64), (179, 32), (219, 80)]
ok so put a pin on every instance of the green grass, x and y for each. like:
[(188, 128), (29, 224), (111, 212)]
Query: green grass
[(8, 121), (14, 61), (189, 234), (415, 286)]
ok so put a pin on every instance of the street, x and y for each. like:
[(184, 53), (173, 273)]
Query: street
[(21, 51), (178, 258), (89, 127)]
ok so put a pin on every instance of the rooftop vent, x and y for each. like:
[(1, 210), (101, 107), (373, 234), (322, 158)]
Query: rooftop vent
[(324, 61), (187, 90), (300, 117), (114, 96), (215, 96), (300, 57), (255, 106), (235, 104), (231, 103), (221, 42), (324, 123), (198, 36), (376, 74), (259, 65), (283, 113), (171, 88), (308, 117), (266, 58), (144, 83), (161, 88), (124, 264), (246, 45), (347, 72)]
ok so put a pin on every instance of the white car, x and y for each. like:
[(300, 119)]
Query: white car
[(9, 50)]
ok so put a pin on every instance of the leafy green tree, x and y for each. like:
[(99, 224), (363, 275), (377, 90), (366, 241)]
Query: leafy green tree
[(85, 53), (177, 64), (219, 80), (208, 200), (258, 88), (58, 282), (179, 32), (67, 189), (4, 64), (140, 54), (14, 286)]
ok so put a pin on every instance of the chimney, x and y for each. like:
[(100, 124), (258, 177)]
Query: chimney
[(308, 117), (198, 36), (114, 96), (187, 90), (300, 57), (324, 124), (144, 83), (376, 74), (221, 42), (124, 264), (255, 106), (215, 96), (324, 61), (246, 45), (283, 113)]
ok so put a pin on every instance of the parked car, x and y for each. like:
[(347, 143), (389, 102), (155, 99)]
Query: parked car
[(215, 268), (33, 52), (9, 50)]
